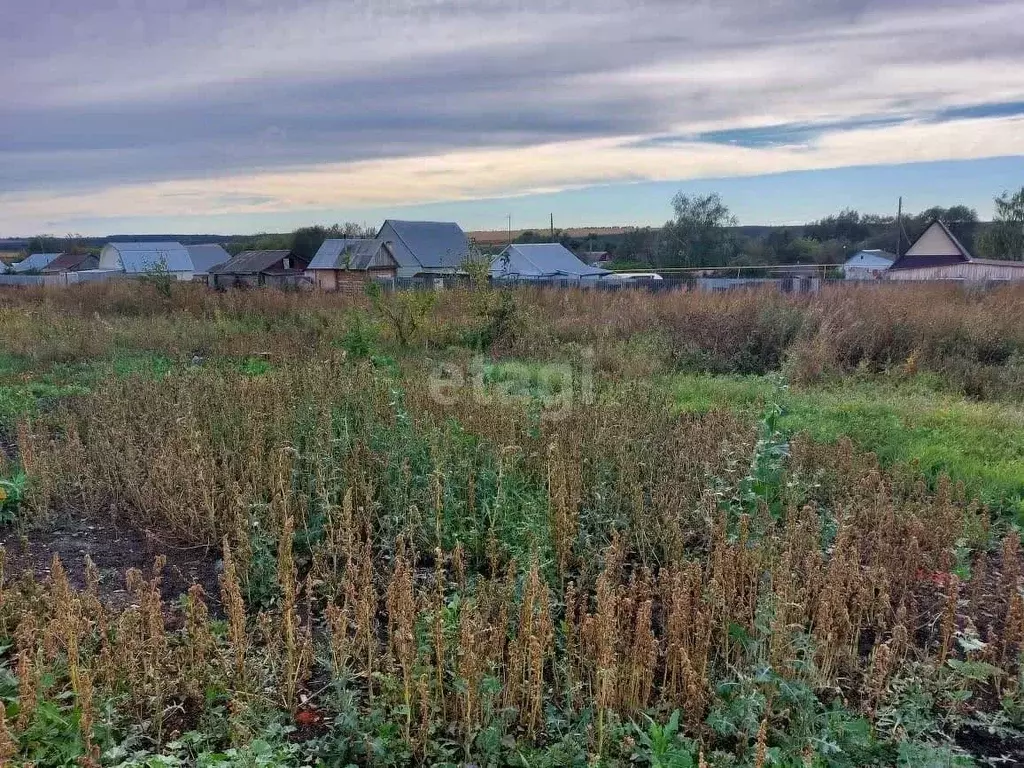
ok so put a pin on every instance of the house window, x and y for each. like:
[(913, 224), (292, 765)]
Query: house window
[(286, 263)]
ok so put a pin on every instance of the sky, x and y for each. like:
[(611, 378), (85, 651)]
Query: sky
[(234, 116)]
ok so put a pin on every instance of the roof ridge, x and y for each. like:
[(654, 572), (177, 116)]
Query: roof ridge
[(528, 259), (963, 252), (399, 235)]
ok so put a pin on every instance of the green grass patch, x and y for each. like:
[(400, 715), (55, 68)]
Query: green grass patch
[(978, 443), (695, 393), (155, 366), (18, 400), (12, 364), (25, 391), (255, 366)]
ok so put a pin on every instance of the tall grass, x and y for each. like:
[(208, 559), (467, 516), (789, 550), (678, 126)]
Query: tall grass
[(972, 338), (406, 580), (464, 579)]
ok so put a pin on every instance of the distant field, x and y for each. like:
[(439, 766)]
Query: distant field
[(501, 236)]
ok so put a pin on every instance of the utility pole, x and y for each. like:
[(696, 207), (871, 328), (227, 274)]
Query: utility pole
[(899, 228), (552, 227), (509, 217)]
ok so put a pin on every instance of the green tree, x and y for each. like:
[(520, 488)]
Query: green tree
[(699, 235), (847, 226), (73, 244), (306, 241), (639, 245), (1005, 238), (43, 244), (961, 220)]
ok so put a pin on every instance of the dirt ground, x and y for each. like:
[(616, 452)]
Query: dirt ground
[(114, 548)]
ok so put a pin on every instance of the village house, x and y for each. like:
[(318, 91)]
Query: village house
[(205, 257), (7, 258), (543, 261), (253, 269), (33, 263), (138, 259), (348, 264), (868, 265), (938, 255), (71, 262), (425, 248)]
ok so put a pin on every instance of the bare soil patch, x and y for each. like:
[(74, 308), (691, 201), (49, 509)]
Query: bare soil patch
[(114, 547)]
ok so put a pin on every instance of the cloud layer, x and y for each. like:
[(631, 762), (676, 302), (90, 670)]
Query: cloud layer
[(158, 107)]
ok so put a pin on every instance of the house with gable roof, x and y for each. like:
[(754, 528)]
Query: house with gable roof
[(425, 248), (254, 269), (349, 263), (551, 262), (868, 265), (33, 263), (138, 259), (71, 262), (938, 255), (206, 256)]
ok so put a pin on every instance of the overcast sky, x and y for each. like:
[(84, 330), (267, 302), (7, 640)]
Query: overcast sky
[(245, 115)]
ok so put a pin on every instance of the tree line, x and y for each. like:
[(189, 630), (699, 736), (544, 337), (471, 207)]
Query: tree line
[(703, 232), (303, 243)]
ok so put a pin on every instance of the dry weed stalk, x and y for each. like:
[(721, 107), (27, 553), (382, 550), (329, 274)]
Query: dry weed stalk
[(8, 744), (948, 626), (471, 666), (761, 750), (297, 646), (564, 499), (28, 671), (401, 607), (528, 650), (361, 594), (339, 619), (234, 608)]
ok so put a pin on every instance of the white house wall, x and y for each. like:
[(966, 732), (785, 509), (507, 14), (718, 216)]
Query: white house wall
[(967, 272), (110, 258), (934, 242)]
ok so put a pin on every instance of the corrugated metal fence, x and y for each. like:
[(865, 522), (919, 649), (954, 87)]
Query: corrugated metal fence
[(785, 284), (674, 283), (62, 278), (23, 280), (796, 285)]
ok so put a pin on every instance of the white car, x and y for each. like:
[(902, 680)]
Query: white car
[(634, 277)]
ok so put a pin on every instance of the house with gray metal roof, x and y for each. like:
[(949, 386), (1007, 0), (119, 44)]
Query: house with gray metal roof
[(868, 265), (144, 258), (348, 263), (259, 268), (206, 256), (35, 262), (424, 248), (543, 261)]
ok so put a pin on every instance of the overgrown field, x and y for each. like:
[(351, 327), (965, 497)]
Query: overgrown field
[(511, 528)]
